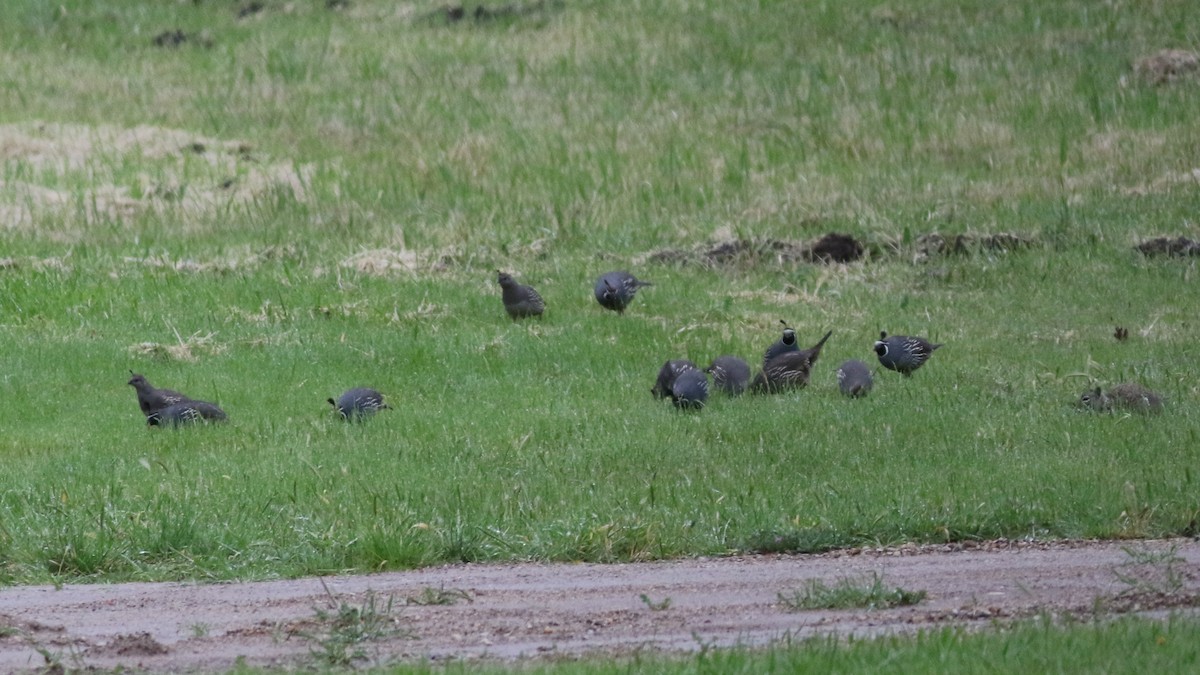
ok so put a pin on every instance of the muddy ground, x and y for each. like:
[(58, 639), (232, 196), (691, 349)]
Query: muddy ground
[(516, 611)]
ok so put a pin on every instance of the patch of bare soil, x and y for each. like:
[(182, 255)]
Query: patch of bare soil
[(832, 247), (506, 612), (482, 13), (1170, 246), (835, 248), (1167, 66)]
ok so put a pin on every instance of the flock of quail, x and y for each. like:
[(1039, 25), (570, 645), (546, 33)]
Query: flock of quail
[(785, 367)]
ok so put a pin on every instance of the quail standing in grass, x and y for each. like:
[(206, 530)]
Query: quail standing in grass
[(1128, 396), (902, 353), (690, 390), (615, 290), (355, 404), (520, 301), (730, 374), (789, 370), (151, 399), (786, 343), (186, 412), (667, 374), (854, 378)]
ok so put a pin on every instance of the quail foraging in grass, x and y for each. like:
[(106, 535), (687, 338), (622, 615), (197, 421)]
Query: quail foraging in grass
[(615, 290), (690, 390), (786, 343), (520, 301), (854, 378), (358, 403), (185, 412), (902, 353), (151, 399), (730, 373), (789, 370), (668, 374), (1128, 396)]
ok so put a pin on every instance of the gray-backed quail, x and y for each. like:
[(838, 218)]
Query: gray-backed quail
[(520, 301), (357, 403), (667, 374), (786, 343), (1128, 396), (854, 378), (789, 370), (186, 412), (151, 399), (730, 373), (903, 353), (690, 389), (615, 290)]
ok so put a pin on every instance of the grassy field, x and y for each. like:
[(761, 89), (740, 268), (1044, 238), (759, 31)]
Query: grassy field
[(305, 199), (1125, 646)]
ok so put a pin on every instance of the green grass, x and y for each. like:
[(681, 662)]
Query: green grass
[(848, 593), (1129, 645), (559, 144)]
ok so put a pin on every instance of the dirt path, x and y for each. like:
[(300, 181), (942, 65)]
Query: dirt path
[(524, 610)]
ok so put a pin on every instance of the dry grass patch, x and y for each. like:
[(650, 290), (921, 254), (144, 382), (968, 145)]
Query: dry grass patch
[(249, 260), (389, 261), (106, 173), (188, 349), (1167, 65)]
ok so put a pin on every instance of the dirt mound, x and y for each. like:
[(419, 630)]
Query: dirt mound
[(1168, 65), (1170, 246), (482, 14), (832, 247), (835, 248)]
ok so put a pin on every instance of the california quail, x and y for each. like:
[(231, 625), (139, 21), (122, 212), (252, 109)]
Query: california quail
[(615, 290), (150, 399), (786, 343), (358, 403), (690, 389), (667, 374), (789, 370), (185, 412), (1126, 396), (520, 301), (854, 378), (902, 353), (730, 373)]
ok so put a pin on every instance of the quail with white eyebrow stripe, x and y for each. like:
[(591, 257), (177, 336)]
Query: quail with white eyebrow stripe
[(902, 353)]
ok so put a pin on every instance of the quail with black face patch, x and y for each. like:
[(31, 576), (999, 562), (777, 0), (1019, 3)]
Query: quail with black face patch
[(786, 343), (520, 301), (730, 374), (789, 370), (615, 290), (902, 353), (854, 378), (355, 404)]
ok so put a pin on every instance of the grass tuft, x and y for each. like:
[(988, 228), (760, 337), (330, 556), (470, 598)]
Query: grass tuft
[(849, 593)]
